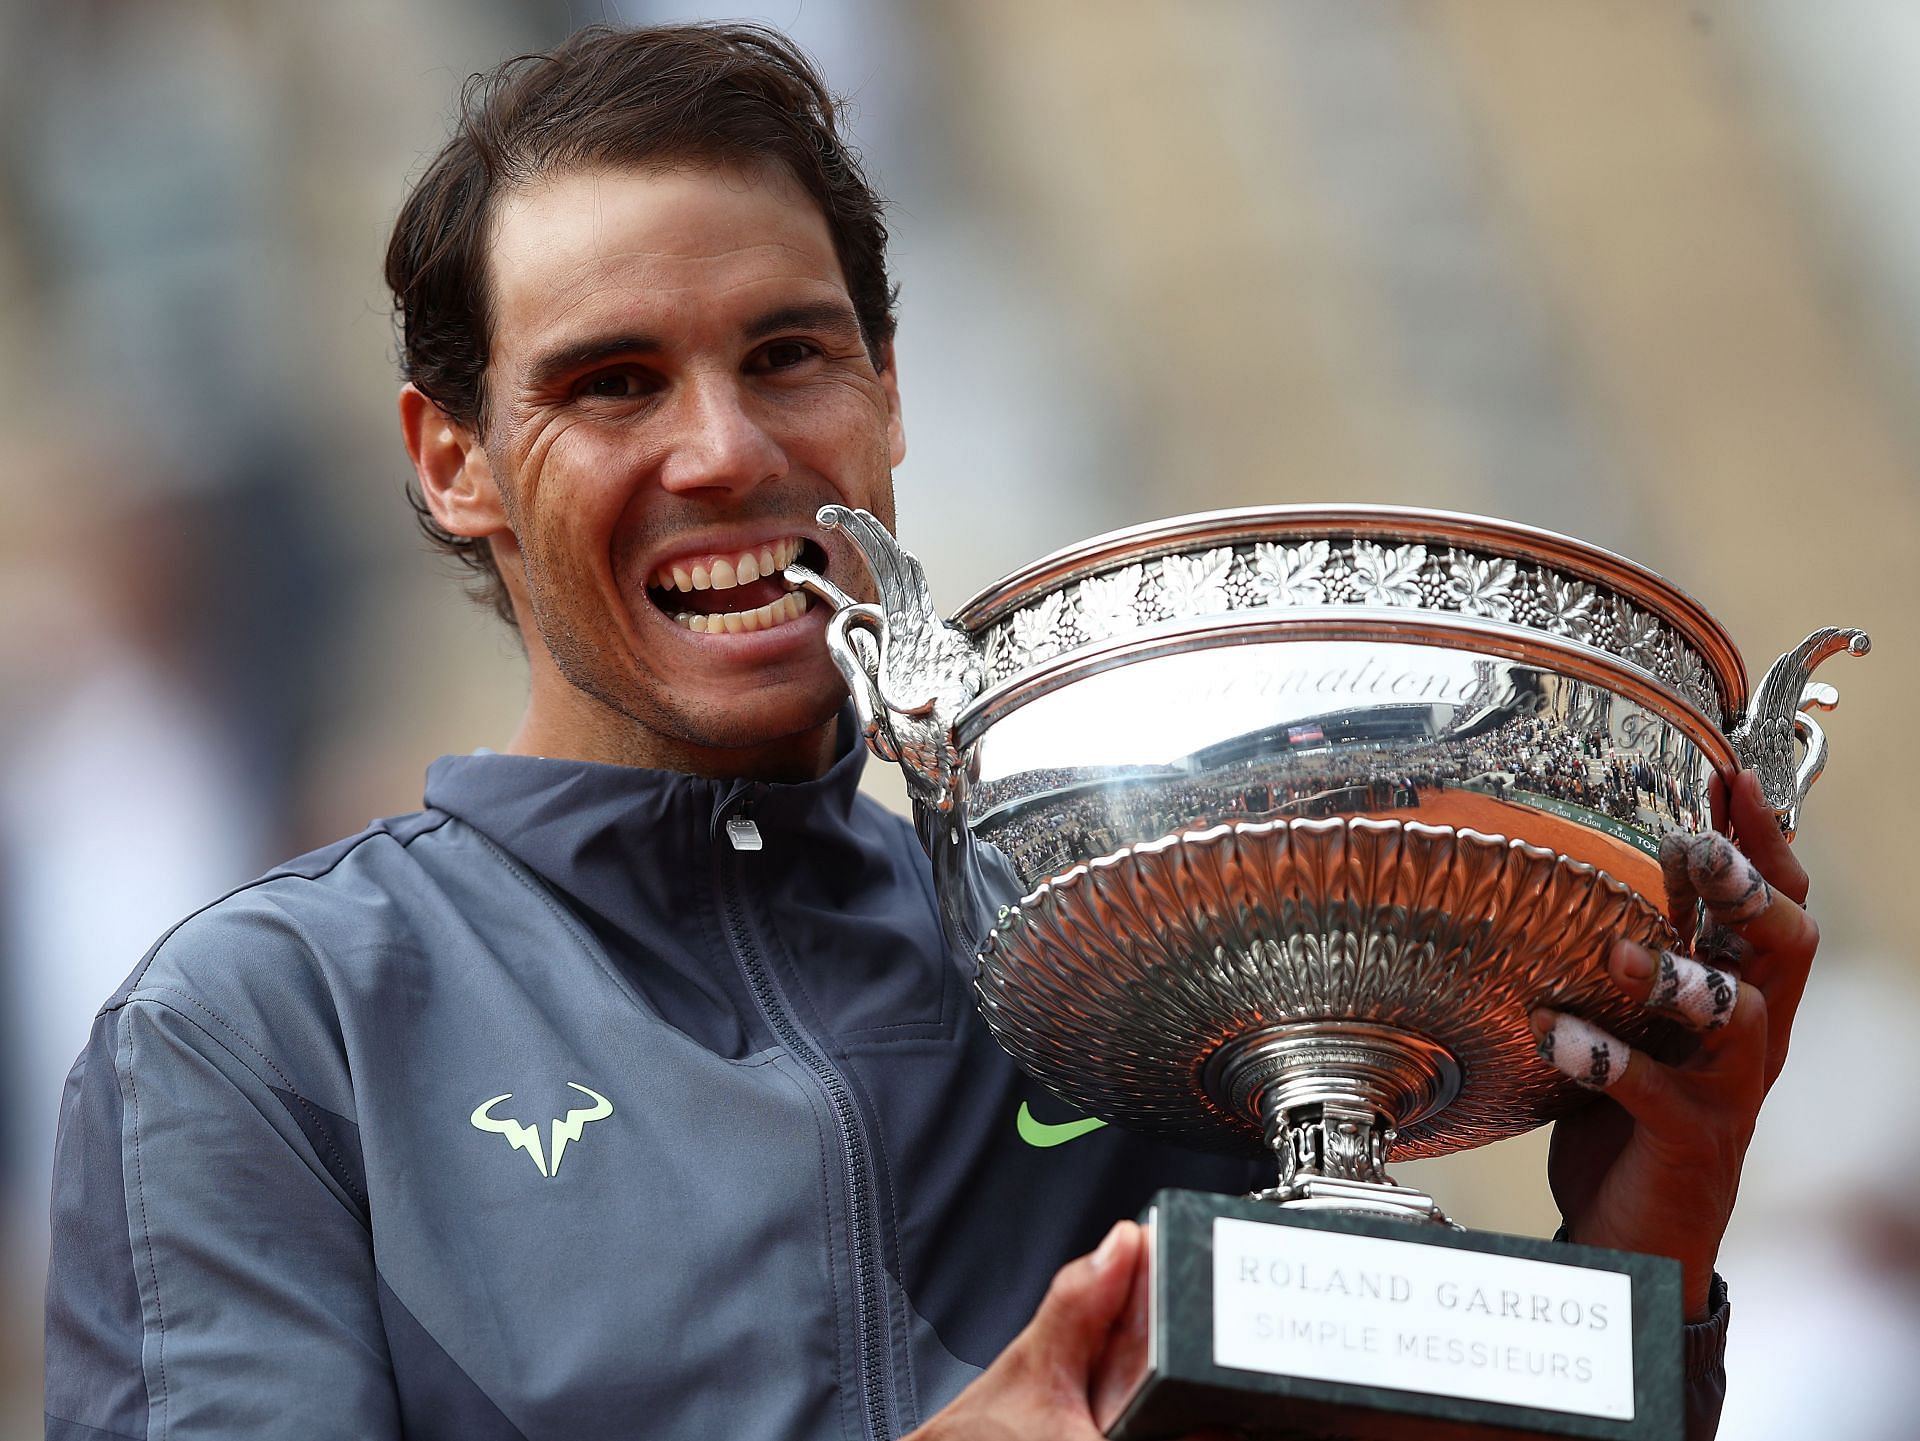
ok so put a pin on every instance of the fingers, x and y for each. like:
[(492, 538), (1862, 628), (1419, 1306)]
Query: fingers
[(1755, 924), (1597, 1061), (1701, 996), (1737, 894), (1580, 1050), (1070, 1328), (1708, 867), (1039, 1385), (1723, 947), (1683, 901), (1126, 1359), (1759, 833)]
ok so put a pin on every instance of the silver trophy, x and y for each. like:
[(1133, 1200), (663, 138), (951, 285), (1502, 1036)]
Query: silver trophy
[(1269, 828)]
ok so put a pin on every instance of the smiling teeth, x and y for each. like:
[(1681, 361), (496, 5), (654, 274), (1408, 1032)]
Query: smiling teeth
[(724, 572), (738, 622)]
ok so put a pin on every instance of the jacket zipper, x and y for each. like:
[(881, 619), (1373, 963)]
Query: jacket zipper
[(853, 1139)]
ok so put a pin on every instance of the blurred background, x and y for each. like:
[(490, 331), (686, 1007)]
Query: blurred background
[(1642, 270)]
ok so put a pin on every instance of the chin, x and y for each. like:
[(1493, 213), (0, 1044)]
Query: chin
[(766, 716)]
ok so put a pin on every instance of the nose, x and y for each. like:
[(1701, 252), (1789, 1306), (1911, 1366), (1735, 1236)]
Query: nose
[(720, 445)]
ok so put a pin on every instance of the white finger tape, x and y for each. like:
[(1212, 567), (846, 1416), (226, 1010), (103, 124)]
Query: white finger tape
[(1674, 855), (1727, 881), (1700, 995), (1583, 1052)]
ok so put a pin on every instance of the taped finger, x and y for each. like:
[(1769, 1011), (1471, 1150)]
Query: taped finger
[(1700, 995), (1757, 825), (1731, 885), (1681, 897), (1580, 1050)]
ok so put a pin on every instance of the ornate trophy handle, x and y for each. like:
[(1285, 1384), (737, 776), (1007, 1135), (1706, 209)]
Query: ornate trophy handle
[(853, 640), (1778, 727), (909, 672)]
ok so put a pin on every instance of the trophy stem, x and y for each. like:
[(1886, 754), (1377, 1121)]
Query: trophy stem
[(1331, 1097)]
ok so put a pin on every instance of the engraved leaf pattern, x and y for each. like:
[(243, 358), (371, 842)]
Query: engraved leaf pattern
[(1387, 577), (1636, 635), (1568, 604), (1107, 601), (1197, 584), (1690, 675), (1481, 586), (1316, 572), (1290, 574), (998, 657), (1033, 629)]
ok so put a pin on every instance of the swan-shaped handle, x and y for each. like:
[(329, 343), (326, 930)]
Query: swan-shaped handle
[(1778, 738), (909, 672)]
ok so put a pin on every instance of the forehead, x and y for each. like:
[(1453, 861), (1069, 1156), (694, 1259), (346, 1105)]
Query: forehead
[(688, 243)]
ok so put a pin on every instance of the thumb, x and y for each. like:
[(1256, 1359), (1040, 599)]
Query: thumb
[(1069, 1330)]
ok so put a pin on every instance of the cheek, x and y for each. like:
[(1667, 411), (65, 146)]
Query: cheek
[(571, 502), (844, 435)]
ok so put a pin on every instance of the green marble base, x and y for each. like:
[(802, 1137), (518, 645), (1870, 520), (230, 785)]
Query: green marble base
[(1353, 1338)]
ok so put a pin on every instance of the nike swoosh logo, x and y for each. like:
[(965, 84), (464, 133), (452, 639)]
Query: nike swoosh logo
[(1036, 1132)]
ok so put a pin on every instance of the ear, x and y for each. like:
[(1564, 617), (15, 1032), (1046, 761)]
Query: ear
[(456, 477), (890, 383)]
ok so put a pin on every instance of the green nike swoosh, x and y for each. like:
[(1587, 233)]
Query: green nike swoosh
[(1036, 1132)]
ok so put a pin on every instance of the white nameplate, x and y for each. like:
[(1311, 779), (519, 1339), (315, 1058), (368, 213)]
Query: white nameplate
[(1291, 1301)]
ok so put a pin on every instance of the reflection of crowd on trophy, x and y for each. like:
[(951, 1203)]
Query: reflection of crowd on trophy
[(1066, 815), (1540, 758), (1114, 810)]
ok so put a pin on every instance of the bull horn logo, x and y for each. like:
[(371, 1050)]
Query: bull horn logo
[(527, 1138)]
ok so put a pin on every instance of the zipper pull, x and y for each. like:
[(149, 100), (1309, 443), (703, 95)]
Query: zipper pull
[(743, 833)]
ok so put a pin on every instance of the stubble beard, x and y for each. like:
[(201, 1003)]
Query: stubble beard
[(646, 716), (631, 707)]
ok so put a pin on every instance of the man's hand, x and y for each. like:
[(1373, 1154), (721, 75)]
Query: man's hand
[(1657, 1171), (1038, 1389)]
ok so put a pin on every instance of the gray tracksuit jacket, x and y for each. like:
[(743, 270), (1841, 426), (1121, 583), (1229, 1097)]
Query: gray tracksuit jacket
[(548, 1113)]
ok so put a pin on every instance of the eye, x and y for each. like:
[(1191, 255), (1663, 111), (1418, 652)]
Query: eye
[(785, 354), (613, 385)]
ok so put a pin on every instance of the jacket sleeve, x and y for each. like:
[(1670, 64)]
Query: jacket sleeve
[(1706, 1366), (211, 1272)]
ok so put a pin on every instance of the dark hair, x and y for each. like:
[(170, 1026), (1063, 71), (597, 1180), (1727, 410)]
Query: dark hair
[(720, 93)]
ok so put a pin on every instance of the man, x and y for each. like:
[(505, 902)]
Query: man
[(627, 1088)]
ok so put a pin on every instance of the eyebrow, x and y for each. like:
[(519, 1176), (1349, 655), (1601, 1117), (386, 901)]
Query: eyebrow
[(834, 315), (582, 354), (829, 315)]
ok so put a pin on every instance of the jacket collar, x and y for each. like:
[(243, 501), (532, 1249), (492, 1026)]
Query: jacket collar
[(544, 809)]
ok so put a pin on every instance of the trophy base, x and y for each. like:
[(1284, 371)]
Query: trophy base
[(1287, 1325)]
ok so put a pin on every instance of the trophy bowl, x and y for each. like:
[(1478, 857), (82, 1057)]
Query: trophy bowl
[(1269, 827)]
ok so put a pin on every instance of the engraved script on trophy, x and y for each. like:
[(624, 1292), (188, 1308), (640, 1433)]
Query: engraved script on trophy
[(1270, 828), (1196, 770)]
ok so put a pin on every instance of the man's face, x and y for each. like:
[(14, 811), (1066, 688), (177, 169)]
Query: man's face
[(677, 383)]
